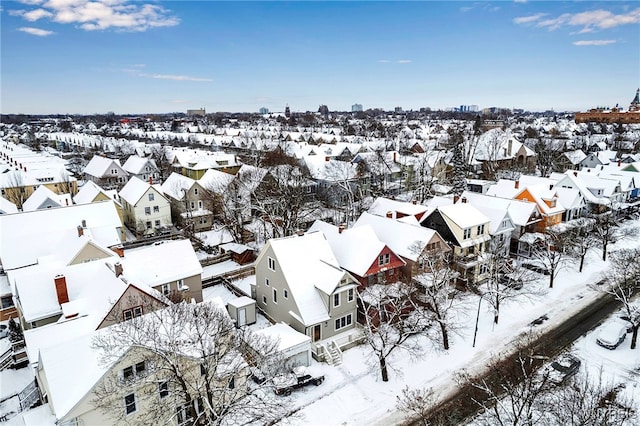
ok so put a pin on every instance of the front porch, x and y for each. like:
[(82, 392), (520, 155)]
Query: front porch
[(330, 349)]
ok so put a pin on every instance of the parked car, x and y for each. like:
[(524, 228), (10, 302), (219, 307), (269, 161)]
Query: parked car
[(562, 368), (4, 331), (611, 335)]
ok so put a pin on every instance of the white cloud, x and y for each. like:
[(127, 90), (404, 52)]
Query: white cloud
[(594, 19), (404, 61), (519, 1), (528, 19), (174, 77), (34, 15), (35, 31), (92, 15), (384, 61), (593, 42)]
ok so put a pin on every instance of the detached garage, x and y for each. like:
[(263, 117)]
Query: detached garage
[(294, 346), (242, 310)]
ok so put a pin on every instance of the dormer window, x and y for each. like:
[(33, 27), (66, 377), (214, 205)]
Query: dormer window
[(481, 229), (466, 234)]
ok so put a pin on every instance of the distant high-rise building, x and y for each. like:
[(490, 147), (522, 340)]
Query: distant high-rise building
[(263, 110), (324, 110), (356, 108), (287, 111), (398, 109), (199, 112)]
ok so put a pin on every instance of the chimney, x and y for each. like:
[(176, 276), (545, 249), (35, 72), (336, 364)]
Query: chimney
[(80, 231), (119, 250), (414, 201), (464, 200), (395, 157), (516, 184), (84, 223), (618, 163), (326, 158), (117, 268), (341, 228), (390, 215), (299, 232), (150, 180), (455, 199), (61, 289), (575, 174)]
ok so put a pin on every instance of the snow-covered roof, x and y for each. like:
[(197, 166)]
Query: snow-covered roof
[(404, 239), (520, 212), (7, 207), (287, 337), (176, 185), (308, 264), (160, 263), (381, 206), (135, 189), (88, 193), (215, 180), (98, 166), (27, 236), (575, 157), (356, 249), (135, 165), (464, 215), (44, 195)]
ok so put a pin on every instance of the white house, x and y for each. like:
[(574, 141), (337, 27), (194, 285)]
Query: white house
[(146, 210)]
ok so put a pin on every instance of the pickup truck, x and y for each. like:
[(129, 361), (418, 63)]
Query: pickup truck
[(284, 385)]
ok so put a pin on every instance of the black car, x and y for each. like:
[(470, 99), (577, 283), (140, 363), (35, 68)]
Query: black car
[(562, 368), (514, 283)]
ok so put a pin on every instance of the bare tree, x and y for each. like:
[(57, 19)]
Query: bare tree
[(622, 282), (392, 320), (550, 253), (417, 404), (436, 294), (344, 188), (189, 363), (607, 230), (589, 401), (581, 240), (14, 189)]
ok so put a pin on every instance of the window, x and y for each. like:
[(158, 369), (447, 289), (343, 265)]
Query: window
[(264, 299), (266, 282), (7, 302), (157, 224), (275, 296), (232, 383), (285, 293), (336, 300), (156, 209), (384, 259), (151, 196), (148, 224), (183, 414), (195, 191), (272, 264), (467, 234), (166, 289), (127, 314), (163, 389), (343, 322), (147, 210), (193, 205), (481, 229), (350, 295), (200, 205), (130, 403)]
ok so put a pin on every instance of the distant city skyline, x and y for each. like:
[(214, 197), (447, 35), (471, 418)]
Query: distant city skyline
[(146, 56)]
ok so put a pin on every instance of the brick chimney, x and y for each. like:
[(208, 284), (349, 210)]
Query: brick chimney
[(390, 215), (455, 199), (414, 201), (516, 184), (80, 231), (150, 180), (117, 268), (341, 228), (61, 289), (119, 250), (464, 200)]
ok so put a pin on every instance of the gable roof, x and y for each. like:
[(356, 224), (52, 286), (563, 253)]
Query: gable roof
[(381, 206), (356, 249), (135, 189), (464, 215), (7, 207), (88, 193), (176, 185), (403, 238), (27, 236), (135, 165), (40, 197), (520, 211), (99, 165), (307, 264)]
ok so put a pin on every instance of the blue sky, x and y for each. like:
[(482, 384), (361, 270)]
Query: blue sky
[(146, 56)]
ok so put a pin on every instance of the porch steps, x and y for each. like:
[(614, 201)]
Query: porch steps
[(333, 353)]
